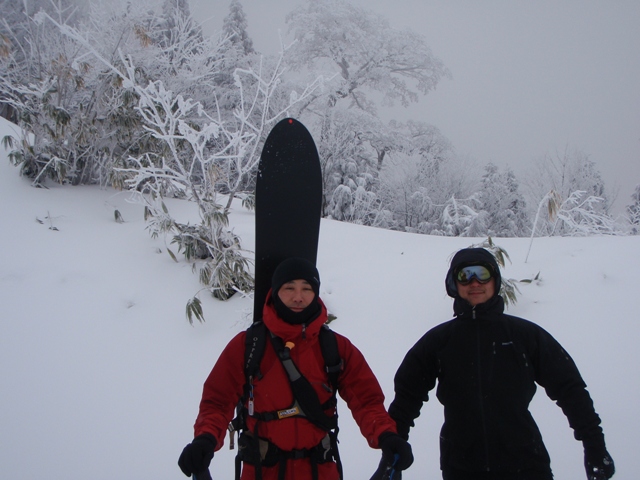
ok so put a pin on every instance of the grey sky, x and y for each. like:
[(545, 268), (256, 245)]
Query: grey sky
[(529, 77)]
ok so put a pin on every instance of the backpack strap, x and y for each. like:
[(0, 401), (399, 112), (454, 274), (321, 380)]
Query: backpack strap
[(254, 343), (306, 402), (334, 365)]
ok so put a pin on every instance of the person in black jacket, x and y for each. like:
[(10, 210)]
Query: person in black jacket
[(487, 365)]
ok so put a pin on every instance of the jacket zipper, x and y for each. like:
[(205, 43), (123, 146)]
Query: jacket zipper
[(480, 392)]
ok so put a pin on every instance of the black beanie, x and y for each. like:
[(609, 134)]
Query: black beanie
[(294, 269)]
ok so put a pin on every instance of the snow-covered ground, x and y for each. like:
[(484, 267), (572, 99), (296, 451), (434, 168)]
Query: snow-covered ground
[(101, 374)]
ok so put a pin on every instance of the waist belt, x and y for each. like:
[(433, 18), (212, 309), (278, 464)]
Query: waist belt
[(260, 452), (295, 411)]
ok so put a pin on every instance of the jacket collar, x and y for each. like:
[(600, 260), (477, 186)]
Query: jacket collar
[(463, 309), (288, 331)]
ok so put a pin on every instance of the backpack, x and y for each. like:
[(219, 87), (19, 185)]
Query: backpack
[(306, 402)]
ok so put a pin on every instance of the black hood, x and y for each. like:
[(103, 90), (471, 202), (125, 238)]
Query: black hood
[(471, 256)]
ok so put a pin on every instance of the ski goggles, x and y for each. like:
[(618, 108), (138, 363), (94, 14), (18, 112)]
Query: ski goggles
[(466, 274)]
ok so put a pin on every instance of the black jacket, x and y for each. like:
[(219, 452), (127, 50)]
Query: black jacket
[(487, 365)]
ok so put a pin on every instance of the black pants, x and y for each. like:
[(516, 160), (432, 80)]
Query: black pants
[(453, 474)]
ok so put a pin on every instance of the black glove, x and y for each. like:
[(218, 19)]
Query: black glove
[(196, 457), (598, 463), (393, 444)]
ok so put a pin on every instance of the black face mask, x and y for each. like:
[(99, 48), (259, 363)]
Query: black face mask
[(306, 316)]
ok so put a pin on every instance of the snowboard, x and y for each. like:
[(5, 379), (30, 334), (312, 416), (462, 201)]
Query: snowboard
[(288, 203)]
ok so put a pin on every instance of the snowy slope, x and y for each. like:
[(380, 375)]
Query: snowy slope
[(101, 373)]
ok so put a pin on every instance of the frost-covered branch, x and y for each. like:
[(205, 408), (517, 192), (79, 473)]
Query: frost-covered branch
[(196, 152), (259, 108), (579, 216)]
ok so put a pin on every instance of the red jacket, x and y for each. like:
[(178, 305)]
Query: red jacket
[(357, 385)]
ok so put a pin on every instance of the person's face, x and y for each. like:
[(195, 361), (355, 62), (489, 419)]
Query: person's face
[(475, 292), (296, 295)]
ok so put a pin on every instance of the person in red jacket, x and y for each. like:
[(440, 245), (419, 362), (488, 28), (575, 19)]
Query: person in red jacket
[(291, 447)]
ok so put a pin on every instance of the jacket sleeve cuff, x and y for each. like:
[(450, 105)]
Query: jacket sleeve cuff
[(207, 437)]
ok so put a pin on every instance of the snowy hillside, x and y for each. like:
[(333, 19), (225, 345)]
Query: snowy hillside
[(101, 373)]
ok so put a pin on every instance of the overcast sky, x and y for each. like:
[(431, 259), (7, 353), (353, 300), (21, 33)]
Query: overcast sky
[(529, 77)]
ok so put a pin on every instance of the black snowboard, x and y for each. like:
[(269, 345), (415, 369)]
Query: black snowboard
[(288, 203)]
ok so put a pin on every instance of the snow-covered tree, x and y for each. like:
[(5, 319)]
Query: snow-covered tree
[(425, 140), (565, 173), (234, 27), (504, 206), (633, 210), (348, 165), (460, 219), (417, 184), (172, 10), (365, 57), (355, 204), (365, 51), (265, 98), (183, 169), (576, 183), (82, 118), (391, 162), (53, 94), (413, 186), (237, 52), (122, 75), (189, 166), (579, 216), (574, 216)]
